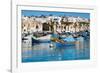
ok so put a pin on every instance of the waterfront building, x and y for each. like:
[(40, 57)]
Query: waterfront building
[(54, 23)]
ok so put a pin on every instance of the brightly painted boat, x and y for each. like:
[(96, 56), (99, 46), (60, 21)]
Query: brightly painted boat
[(63, 42)]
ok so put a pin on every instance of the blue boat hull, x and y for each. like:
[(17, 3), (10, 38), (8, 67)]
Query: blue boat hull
[(60, 45)]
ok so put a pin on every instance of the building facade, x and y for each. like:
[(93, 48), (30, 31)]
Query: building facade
[(60, 24)]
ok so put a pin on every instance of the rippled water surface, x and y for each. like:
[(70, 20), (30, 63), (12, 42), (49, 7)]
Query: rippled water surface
[(43, 52)]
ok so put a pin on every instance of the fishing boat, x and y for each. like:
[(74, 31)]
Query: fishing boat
[(26, 38), (85, 34), (42, 39), (63, 42)]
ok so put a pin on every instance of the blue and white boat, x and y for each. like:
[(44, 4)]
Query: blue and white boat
[(67, 41)]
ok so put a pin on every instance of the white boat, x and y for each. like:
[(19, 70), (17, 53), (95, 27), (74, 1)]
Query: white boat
[(43, 39), (47, 37)]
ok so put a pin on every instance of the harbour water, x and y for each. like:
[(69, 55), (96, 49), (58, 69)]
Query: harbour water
[(43, 52)]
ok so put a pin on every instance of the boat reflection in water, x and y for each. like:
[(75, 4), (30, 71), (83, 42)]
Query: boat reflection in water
[(56, 50)]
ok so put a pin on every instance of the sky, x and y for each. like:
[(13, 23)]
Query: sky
[(54, 13)]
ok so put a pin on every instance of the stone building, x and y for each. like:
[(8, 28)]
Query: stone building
[(60, 24)]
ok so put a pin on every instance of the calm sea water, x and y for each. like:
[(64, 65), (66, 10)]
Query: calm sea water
[(43, 52)]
